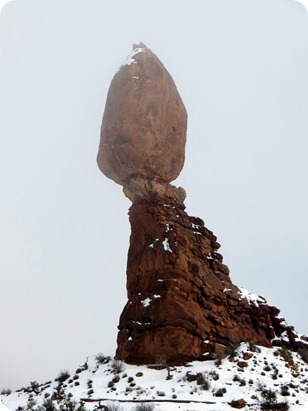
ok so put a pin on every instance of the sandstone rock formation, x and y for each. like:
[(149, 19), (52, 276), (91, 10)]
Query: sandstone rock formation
[(181, 304), (144, 125)]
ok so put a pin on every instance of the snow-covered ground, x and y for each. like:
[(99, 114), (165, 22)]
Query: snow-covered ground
[(249, 374)]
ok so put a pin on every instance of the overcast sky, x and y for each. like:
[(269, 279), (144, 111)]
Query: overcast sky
[(241, 68)]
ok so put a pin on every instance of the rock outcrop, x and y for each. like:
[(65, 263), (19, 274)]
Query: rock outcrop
[(182, 304)]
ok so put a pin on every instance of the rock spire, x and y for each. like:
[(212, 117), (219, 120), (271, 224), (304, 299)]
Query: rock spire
[(181, 304)]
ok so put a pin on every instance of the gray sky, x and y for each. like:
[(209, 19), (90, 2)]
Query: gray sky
[(241, 68)]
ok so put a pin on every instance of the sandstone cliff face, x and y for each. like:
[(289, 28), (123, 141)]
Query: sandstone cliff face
[(182, 305)]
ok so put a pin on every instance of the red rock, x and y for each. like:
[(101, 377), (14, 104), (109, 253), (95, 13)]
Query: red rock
[(178, 298), (247, 355), (193, 377), (182, 304), (242, 364), (238, 403), (144, 126)]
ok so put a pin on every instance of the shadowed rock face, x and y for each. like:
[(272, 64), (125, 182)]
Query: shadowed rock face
[(144, 126), (182, 305)]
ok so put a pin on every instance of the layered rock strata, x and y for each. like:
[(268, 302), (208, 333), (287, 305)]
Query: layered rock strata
[(182, 304)]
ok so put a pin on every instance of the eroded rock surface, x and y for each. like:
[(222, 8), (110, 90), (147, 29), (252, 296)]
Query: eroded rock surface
[(182, 304), (144, 126)]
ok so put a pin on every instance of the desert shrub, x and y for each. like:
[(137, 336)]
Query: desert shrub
[(66, 404), (278, 406), (260, 386), (286, 355), (269, 395), (214, 374), (72, 405), (63, 376), (100, 359), (232, 349), (236, 378), (218, 362), (35, 387), (284, 390), (112, 406), (48, 405), (30, 404), (303, 352), (269, 399), (144, 407), (117, 366), (219, 392), (253, 347), (204, 383), (8, 391), (116, 378)]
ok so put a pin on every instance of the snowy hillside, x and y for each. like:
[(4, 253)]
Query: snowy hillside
[(262, 378)]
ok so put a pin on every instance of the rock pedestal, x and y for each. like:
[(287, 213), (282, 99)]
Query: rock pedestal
[(182, 305)]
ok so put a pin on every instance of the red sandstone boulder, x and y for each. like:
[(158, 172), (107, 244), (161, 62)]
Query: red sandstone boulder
[(238, 403), (144, 126)]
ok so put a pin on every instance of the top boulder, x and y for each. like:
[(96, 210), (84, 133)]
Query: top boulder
[(144, 125)]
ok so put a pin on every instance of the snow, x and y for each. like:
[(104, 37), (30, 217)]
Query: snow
[(265, 369), (155, 241), (166, 241), (251, 298), (147, 301), (167, 245), (130, 58)]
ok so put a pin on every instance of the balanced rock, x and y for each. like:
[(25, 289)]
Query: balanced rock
[(182, 304), (143, 132)]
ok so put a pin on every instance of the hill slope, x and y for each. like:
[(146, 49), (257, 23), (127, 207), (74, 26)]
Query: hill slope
[(272, 378)]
